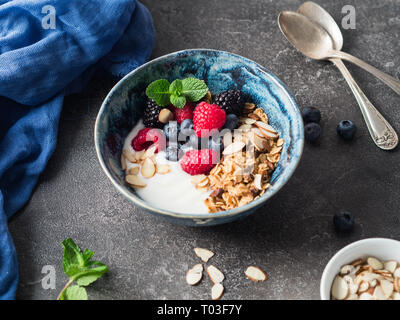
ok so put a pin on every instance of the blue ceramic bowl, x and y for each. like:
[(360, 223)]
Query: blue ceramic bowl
[(123, 107)]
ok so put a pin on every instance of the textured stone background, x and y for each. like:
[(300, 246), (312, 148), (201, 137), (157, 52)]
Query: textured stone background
[(292, 236)]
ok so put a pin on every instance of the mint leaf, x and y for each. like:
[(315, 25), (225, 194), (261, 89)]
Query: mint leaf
[(73, 260), (176, 88), (194, 89), (74, 293), (92, 274), (178, 101), (159, 91)]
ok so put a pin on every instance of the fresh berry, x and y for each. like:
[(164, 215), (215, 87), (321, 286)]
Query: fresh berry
[(231, 101), (216, 143), (151, 113), (199, 161), (171, 131), (343, 221), (184, 113), (311, 114), (231, 121), (147, 137), (312, 131), (187, 124), (172, 153), (206, 118), (346, 129)]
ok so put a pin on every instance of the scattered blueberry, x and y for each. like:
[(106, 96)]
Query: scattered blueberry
[(346, 129), (231, 121), (312, 131), (172, 153), (343, 221), (186, 124), (311, 114), (216, 143), (171, 130)]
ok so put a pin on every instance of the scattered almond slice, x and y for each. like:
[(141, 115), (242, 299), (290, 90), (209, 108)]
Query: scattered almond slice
[(397, 284), (163, 168), (365, 296), (165, 115), (216, 291), (194, 275), (363, 286), (138, 155), (134, 181), (340, 289), (356, 262), (130, 156), (151, 151), (396, 296), (396, 273), (390, 266), (378, 293), (215, 274), (148, 169), (203, 254), (374, 263), (347, 269), (386, 287), (234, 147), (134, 170), (266, 127), (268, 134), (249, 121), (255, 274)]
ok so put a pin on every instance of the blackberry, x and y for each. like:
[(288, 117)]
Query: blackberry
[(231, 101), (150, 116)]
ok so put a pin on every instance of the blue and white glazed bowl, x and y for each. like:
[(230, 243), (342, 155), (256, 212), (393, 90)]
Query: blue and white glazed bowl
[(123, 107)]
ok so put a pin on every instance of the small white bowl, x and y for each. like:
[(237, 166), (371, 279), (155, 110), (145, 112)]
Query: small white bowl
[(383, 249)]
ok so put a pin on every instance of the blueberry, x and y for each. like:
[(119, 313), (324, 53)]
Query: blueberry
[(343, 221), (312, 131), (172, 153), (346, 129), (186, 124), (231, 121), (171, 130), (216, 143), (311, 114)]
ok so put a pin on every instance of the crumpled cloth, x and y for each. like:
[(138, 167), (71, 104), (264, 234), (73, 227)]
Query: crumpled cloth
[(45, 54)]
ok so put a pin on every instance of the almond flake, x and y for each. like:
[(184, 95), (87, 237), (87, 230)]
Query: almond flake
[(257, 181), (130, 156), (234, 147), (138, 155), (165, 115), (378, 293), (374, 263), (215, 274), (163, 168), (266, 127), (390, 266), (352, 296), (396, 273), (203, 254), (148, 168), (347, 269), (255, 274), (340, 289), (280, 143), (135, 181), (364, 286), (194, 275), (149, 152), (396, 296), (268, 134), (216, 291), (387, 288), (134, 170), (249, 121), (365, 296), (123, 162)]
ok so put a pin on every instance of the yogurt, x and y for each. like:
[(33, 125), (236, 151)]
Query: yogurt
[(173, 191)]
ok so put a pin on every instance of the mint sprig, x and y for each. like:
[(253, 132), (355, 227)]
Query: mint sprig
[(80, 269), (178, 92)]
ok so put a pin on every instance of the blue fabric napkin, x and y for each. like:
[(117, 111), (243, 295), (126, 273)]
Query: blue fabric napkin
[(38, 67)]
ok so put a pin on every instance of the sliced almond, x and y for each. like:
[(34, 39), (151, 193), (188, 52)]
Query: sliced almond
[(203, 254), (216, 291), (234, 148), (194, 275), (266, 127), (267, 134), (138, 155), (258, 141), (396, 296), (396, 273), (374, 263), (196, 179), (123, 162), (363, 286), (353, 287), (347, 269), (134, 170), (249, 121), (215, 274), (257, 181), (397, 284), (148, 168), (165, 115), (340, 289), (378, 293), (244, 127), (365, 296), (280, 143), (163, 168), (130, 156), (356, 262), (386, 287), (352, 296), (373, 283), (390, 266), (203, 184), (151, 151), (135, 181), (255, 274)]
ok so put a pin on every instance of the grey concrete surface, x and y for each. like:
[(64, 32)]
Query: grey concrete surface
[(292, 236)]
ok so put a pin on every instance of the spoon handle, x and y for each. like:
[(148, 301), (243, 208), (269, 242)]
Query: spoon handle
[(389, 80), (380, 130)]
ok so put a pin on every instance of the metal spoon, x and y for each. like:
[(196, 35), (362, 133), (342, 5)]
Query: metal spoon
[(380, 130), (314, 41)]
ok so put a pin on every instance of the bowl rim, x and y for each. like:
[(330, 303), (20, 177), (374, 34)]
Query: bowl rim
[(223, 214), (362, 242)]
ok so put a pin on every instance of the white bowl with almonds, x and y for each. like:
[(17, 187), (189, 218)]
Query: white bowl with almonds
[(368, 269)]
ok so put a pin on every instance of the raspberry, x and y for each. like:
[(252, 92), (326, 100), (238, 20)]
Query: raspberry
[(147, 137), (184, 113), (199, 161), (206, 118)]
